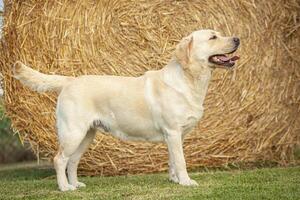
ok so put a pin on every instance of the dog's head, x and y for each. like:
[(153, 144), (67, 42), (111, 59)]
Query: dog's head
[(207, 48)]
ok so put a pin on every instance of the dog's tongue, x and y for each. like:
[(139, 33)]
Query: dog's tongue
[(234, 58), (224, 58)]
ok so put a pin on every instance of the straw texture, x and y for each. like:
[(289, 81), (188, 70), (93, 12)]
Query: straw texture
[(251, 112)]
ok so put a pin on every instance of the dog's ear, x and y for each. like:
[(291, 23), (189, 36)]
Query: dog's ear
[(183, 51)]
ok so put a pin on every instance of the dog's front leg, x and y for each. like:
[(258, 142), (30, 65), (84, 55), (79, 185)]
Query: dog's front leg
[(174, 141), (172, 171)]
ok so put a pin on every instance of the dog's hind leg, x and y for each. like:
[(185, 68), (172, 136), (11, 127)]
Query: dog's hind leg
[(75, 158), (70, 138)]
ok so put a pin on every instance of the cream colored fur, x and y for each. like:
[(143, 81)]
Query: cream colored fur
[(161, 105), (37, 81)]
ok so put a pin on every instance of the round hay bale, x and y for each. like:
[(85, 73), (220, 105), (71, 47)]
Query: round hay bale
[(251, 112)]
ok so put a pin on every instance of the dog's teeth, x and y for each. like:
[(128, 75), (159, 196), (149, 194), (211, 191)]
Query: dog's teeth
[(216, 59)]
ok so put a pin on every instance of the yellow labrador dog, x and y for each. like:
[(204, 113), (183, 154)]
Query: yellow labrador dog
[(161, 105)]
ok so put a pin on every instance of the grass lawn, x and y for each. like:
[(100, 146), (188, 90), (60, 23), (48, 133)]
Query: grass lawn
[(40, 183)]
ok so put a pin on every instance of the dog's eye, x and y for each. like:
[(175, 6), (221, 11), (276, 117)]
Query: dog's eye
[(213, 37)]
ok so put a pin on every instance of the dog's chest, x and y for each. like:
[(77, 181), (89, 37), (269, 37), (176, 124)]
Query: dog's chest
[(190, 119)]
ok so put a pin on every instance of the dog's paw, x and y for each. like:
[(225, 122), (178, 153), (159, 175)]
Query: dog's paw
[(79, 185), (188, 182), (68, 187)]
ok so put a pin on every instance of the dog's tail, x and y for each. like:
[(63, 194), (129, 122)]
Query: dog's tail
[(38, 81)]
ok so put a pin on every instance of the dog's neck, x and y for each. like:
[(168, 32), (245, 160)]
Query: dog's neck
[(196, 78)]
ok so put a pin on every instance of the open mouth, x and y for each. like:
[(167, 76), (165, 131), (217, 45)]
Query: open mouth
[(223, 60)]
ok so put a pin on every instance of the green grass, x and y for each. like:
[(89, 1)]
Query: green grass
[(39, 183)]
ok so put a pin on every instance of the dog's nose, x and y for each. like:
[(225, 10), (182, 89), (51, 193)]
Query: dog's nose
[(236, 41)]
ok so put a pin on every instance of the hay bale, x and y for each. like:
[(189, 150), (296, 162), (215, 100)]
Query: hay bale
[(1, 89), (252, 112)]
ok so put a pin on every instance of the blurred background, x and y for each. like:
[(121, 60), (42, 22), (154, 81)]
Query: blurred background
[(11, 148)]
